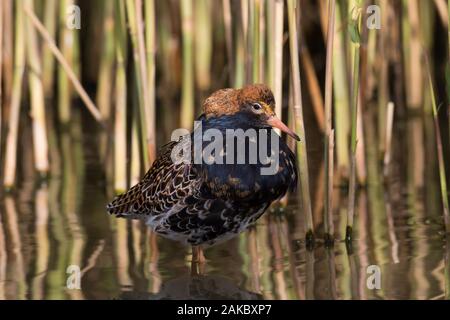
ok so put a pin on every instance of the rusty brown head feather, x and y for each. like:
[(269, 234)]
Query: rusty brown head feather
[(230, 101), (257, 99)]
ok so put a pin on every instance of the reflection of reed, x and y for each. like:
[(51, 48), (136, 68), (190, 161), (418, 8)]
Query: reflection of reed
[(254, 269), (42, 241), (310, 274), (122, 255), (151, 261), (331, 272), (278, 258), (3, 260), (73, 177), (15, 268), (298, 286)]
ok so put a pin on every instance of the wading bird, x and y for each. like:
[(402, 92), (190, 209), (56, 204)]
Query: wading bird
[(203, 203)]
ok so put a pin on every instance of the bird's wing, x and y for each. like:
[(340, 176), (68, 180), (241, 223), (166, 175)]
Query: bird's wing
[(162, 188)]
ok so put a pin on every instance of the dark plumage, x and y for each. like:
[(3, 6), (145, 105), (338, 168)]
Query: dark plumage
[(199, 203)]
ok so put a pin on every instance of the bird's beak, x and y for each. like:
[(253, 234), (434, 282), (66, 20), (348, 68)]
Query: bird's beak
[(275, 122)]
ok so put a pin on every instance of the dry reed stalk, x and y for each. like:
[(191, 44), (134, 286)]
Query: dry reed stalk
[(120, 123), (7, 52), (313, 86), (150, 51), (135, 165), (203, 43), (227, 20), (142, 101), (148, 101), (413, 76), (299, 125), (65, 65), (441, 8), (328, 219), (329, 134), (40, 141), (187, 91), (277, 80), (388, 144), (104, 90), (19, 67), (48, 60), (1, 73)]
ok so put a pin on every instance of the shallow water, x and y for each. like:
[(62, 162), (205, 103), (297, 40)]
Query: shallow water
[(45, 228)]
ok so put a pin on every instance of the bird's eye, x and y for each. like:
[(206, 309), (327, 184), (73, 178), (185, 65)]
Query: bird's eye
[(256, 106)]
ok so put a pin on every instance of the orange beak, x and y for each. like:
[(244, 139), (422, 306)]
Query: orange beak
[(274, 122)]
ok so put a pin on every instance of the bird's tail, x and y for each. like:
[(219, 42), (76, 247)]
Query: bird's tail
[(127, 204)]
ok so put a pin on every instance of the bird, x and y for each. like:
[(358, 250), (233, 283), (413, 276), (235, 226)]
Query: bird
[(202, 203)]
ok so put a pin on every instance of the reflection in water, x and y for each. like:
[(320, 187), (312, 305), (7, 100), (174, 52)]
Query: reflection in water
[(46, 228), (195, 288)]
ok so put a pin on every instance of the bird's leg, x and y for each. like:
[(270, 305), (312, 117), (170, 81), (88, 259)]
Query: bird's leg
[(198, 260)]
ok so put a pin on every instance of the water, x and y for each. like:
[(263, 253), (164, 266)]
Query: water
[(45, 228)]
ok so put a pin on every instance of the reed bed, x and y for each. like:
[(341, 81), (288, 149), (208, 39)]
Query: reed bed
[(153, 62)]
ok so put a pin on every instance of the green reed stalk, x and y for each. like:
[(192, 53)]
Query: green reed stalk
[(328, 149), (19, 67), (148, 102), (48, 60), (440, 153), (120, 123), (341, 98), (104, 90), (64, 65), (187, 91), (355, 37), (298, 115), (66, 40), (203, 43), (40, 141)]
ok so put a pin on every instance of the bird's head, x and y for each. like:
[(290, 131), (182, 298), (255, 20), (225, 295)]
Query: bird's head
[(256, 101)]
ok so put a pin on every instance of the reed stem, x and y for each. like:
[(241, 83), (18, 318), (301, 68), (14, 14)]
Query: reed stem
[(65, 66), (354, 32), (150, 48), (48, 60), (203, 43), (328, 148), (104, 90), (187, 91), (120, 123), (440, 153), (298, 116), (40, 141), (388, 135), (13, 130)]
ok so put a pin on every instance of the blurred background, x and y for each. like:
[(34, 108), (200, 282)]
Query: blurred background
[(89, 90)]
